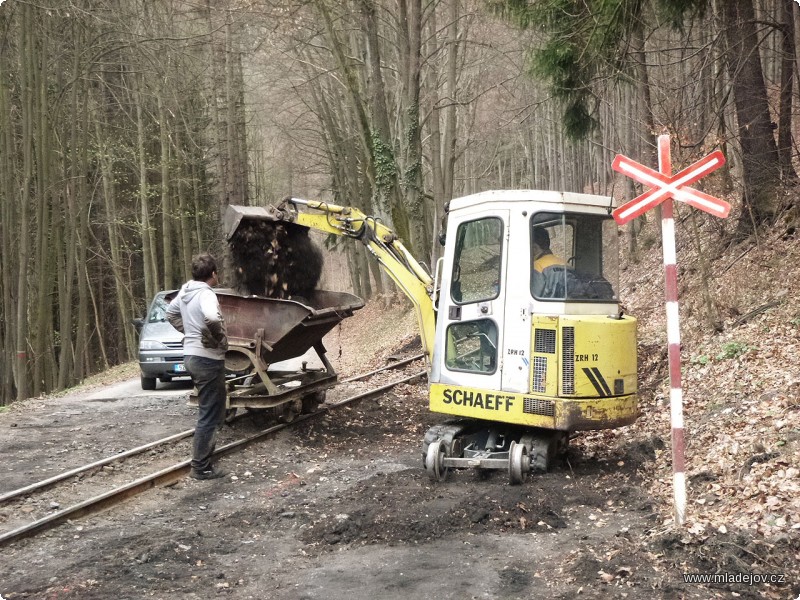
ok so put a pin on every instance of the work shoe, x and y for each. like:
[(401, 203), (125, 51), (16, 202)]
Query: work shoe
[(211, 473)]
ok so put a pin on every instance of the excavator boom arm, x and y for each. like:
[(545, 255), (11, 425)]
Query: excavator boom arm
[(381, 242)]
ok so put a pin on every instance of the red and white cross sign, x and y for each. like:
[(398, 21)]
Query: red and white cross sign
[(663, 186)]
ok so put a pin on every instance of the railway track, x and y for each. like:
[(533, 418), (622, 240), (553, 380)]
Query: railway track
[(86, 499)]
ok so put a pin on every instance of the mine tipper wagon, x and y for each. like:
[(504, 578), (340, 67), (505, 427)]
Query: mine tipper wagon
[(265, 331), (524, 349)]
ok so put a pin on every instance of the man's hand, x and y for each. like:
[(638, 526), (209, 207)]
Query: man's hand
[(215, 336)]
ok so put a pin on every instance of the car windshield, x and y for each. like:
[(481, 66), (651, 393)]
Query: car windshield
[(158, 312)]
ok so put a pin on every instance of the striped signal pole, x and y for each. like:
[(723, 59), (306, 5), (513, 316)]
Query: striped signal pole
[(673, 339), (664, 187)]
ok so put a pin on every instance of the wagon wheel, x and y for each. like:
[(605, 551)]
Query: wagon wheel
[(260, 417), (312, 401), (288, 413)]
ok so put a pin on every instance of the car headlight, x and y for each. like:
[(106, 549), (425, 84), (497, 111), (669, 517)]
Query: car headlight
[(151, 345)]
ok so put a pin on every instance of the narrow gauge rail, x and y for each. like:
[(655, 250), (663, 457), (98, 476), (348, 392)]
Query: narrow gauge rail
[(175, 472)]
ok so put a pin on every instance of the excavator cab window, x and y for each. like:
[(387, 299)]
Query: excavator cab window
[(472, 346), (573, 257), (477, 261)]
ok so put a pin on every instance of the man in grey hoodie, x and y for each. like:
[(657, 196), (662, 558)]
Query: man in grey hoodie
[(195, 312)]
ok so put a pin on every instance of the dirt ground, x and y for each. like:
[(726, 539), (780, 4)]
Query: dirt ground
[(341, 508)]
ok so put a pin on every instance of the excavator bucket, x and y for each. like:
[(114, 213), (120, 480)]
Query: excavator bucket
[(235, 215)]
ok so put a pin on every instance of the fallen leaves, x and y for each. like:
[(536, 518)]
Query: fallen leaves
[(741, 391), (618, 575)]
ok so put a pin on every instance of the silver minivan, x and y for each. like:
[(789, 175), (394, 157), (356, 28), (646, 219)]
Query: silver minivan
[(160, 344)]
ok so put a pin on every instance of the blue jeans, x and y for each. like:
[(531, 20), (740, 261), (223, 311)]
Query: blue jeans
[(209, 377)]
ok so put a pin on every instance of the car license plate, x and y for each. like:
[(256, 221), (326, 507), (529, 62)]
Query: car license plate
[(181, 368)]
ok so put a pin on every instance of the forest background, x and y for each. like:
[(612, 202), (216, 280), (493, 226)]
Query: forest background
[(127, 127)]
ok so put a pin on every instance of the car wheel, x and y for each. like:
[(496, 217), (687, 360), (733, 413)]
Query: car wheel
[(148, 383)]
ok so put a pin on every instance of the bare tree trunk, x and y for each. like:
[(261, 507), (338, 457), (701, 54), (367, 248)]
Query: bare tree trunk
[(442, 142), (98, 326), (370, 265), (233, 193), (184, 224), (41, 337), (370, 150), (148, 251), (417, 212), (649, 156), (221, 155), (240, 129), (198, 226), (83, 364), (787, 84), (166, 204), (760, 164), (7, 233), (724, 111), (434, 130), (353, 270), (67, 275), (386, 184), (450, 124), (27, 91)]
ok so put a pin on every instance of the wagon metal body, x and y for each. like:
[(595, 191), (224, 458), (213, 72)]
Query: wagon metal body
[(265, 331)]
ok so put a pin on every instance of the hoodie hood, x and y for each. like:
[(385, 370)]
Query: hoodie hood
[(192, 288)]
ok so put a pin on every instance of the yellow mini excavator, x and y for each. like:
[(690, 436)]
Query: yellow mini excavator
[(520, 323)]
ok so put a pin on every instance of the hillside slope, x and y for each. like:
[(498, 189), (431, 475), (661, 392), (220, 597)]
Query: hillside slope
[(741, 383)]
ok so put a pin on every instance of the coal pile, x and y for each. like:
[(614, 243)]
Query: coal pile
[(275, 260)]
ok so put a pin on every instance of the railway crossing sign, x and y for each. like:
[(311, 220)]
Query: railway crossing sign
[(666, 187)]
